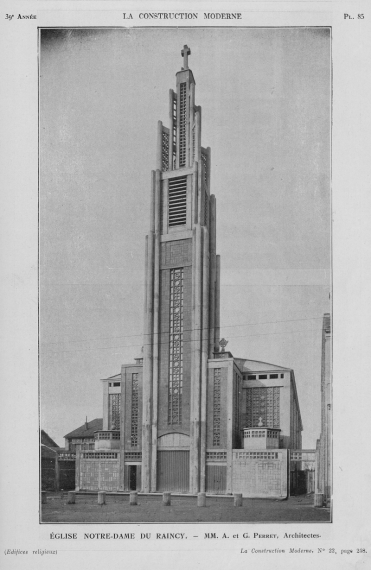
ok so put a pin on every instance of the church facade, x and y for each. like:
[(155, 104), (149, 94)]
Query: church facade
[(188, 416)]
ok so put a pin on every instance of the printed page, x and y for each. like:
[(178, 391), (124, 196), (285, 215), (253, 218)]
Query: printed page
[(185, 248)]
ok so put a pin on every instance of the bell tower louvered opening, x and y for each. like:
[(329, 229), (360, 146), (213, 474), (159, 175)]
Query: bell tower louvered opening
[(178, 201)]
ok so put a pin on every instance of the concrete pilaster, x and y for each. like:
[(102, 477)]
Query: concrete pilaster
[(229, 425), (122, 430), (165, 207), (189, 203), (105, 405), (195, 194), (157, 200), (212, 225), (156, 308), (159, 146), (145, 276), (205, 350), (148, 370), (77, 470), (217, 303), (57, 487), (198, 135), (191, 120), (196, 383), (193, 337), (208, 152), (198, 158), (171, 98)]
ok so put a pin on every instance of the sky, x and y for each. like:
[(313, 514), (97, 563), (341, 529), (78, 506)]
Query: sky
[(266, 114)]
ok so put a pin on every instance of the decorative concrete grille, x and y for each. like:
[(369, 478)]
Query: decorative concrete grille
[(99, 455), (255, 455), (216, 407), (66, 456), (261, 433), (176, 347), (107, 435), (114, 411), (174, 131), (177, 201), (134, 410), (263, 403), (182, 125), (216, 456), (165, 151), (307, 455), (204, 165), (133, 456)]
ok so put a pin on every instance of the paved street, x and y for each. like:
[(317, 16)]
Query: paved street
[(182, 509)]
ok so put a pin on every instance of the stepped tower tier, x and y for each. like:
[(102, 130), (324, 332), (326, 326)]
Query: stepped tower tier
[(182, 292)]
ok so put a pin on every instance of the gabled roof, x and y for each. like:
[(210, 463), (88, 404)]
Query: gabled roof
[(246, 365), (49, 451), (47, 440), (86, 430)]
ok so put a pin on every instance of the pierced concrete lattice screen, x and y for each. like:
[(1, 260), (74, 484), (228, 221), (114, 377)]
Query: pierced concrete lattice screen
[(174, 131), (133, 456), (216, 407), (216, 456), (182, 125), (204, 165), (263, 403), (165, 151), (206, 208), (176, 347), (114, 411), (99, 455), (134, 410)]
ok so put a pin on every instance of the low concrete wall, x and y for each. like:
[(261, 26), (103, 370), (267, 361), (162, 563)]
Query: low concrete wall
[(98, 471), (260, 474)]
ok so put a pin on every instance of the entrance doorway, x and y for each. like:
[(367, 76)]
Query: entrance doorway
[(173, 471), (132, 477)]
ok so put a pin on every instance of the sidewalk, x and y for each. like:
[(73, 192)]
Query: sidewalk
[(183, 509)]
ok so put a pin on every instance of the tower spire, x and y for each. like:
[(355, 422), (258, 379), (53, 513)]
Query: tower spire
[(186, 51)]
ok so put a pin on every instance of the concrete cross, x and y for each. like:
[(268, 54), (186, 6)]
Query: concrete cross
[(186, 51)]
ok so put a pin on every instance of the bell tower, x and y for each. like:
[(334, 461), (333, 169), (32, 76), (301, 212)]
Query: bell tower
[(181, 308)]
